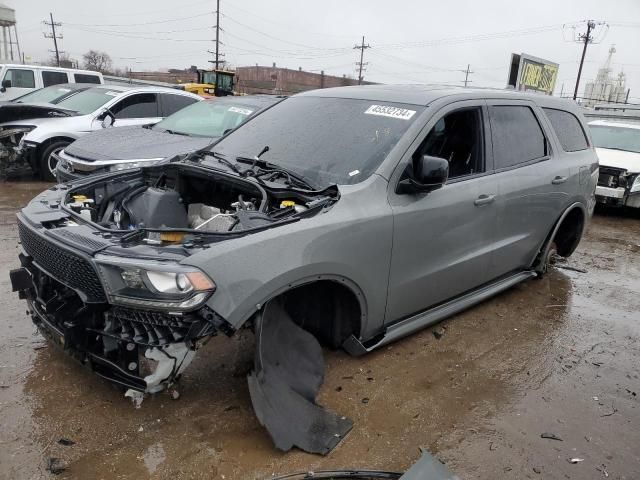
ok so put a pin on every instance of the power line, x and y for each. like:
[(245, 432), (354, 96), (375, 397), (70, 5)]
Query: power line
[(137, 24), (53, 35), (361, 63), (585, 39)]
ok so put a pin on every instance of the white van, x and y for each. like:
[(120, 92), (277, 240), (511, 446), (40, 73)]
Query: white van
[(20, 79)]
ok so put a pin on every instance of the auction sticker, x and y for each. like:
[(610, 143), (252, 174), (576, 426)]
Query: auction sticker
[(393, 112), (241, 111)]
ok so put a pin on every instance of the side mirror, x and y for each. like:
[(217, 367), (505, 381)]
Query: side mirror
[(107, 120), (5, 84), (425, 175)]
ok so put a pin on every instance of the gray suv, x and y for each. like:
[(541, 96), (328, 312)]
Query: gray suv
[(345, 217)]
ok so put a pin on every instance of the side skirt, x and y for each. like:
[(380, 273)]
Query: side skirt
[(434, 315)]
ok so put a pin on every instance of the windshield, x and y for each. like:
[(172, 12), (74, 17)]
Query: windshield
[(52, 94), (207, 119), (89, 100), (618, 138), (326, 140)]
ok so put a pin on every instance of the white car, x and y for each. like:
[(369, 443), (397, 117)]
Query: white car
[(618, 147), (19, 80), (39, 140)]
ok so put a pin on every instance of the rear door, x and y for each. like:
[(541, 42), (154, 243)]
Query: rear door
[(443, 240), (171, 103), (533, 183)]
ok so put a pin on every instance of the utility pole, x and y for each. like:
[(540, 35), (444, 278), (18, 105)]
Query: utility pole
[(586, 38), (53, 35), (361, 63), (217, 34), (466, 75)]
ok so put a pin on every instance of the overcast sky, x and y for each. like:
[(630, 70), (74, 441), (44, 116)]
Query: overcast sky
[(413, 41)]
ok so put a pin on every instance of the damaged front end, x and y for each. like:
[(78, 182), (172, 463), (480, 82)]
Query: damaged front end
[(103, 277), (14, 154)]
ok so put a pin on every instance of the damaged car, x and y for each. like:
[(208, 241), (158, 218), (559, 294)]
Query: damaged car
[(618, 146), (342, 218), (46, 134), (189, 129)]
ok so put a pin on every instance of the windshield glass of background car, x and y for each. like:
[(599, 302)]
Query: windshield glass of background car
[(206, 119), (89, 100), (44, 95), (619, 138), (327, 140)]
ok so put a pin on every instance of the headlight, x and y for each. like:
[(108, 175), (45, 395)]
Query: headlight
[(635, 187), (118, 167), (155, 285)]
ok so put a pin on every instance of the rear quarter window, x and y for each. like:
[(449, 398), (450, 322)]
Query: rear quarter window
[(568, 129), (516, 136)]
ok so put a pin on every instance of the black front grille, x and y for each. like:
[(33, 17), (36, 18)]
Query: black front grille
[(611, 177), (67, 267), (153, 328)]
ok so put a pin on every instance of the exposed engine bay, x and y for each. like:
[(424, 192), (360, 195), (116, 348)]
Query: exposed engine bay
[(103, 279), (177, 204)]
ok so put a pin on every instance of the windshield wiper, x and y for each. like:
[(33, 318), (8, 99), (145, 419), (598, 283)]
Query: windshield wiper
[(173, 132), (266, 168)]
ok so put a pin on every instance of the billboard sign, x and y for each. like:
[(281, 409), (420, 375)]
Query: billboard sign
[(529, 73)]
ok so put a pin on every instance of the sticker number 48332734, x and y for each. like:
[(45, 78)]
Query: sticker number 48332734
[(388, 111)]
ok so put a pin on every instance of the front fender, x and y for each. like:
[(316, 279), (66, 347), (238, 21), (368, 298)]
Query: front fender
[(349, 244)]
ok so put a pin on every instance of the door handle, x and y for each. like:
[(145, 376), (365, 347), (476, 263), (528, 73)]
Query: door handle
[(558, 180), (484, 200)]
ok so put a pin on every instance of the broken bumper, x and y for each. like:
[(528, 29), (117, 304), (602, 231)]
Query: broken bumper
[(138, 349)]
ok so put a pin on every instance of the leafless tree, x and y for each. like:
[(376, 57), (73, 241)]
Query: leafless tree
[(97, 61)]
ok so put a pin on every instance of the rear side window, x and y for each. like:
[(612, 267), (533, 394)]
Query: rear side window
[(85, 78), (141, 105), (516, 134), (568, 129), (172, 103), (20, 78), (53, 78)]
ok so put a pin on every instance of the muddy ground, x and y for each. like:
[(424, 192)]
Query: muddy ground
[(559, 355)]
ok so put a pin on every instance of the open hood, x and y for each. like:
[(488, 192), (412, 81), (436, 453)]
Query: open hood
[(13, 111)]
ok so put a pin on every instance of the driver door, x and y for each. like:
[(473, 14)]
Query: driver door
[(443, 240), (136, 109)]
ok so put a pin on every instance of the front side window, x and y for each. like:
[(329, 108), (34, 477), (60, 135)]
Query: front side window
[(53, 78), (568, 129), (20, 78), (616, 138), (457, 137), (516, 135), (327, 140), (141, 105), (207, 118)]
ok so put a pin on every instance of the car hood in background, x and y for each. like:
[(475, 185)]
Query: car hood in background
[(127, 143), (13, 111), (630, 161)]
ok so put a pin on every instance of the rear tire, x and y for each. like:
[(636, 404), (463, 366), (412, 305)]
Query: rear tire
[(46, 162)]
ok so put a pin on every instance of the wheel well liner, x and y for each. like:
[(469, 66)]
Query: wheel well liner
[(566, 233), (326, 307)]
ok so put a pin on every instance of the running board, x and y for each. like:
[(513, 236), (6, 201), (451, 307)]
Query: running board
[(429, 317)]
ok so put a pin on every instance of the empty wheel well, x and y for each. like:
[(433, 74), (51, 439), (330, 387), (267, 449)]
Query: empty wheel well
[(569, 232), (327, 309)]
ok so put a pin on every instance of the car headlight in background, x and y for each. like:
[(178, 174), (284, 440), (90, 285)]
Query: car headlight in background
[(118, 167), (635, 186), (154, 285), (15, 134)]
